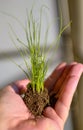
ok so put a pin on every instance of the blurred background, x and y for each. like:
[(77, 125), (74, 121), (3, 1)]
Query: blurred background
[(70, 44)]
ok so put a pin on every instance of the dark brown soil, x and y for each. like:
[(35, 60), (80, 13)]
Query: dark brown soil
[(36, 102), (53, 99)]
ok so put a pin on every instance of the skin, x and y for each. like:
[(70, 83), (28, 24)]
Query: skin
[(14, 115)]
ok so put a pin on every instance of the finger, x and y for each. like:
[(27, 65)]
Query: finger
[(58, 88), (50, 81), (20, 86), (63, 104), (50, 113)]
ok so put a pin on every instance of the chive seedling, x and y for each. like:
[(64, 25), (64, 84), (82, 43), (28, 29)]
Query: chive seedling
[(37, 69)]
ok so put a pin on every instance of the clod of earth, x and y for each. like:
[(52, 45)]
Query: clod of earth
[(36, 102)]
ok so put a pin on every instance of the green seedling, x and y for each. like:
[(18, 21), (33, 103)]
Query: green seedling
[(36, 65)]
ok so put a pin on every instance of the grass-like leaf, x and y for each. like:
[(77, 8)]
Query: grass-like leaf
[(37, 69)]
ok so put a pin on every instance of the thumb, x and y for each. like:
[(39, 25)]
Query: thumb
[(20, 86)]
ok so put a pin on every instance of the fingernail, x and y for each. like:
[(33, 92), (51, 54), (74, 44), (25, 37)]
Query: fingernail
[(15, 88)]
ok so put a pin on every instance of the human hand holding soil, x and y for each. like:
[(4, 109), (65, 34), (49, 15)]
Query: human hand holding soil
[(14, 115)]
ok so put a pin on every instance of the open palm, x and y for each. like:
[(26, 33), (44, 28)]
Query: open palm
[(14, 115)]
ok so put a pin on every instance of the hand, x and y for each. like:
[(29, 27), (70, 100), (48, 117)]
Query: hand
[(14, 115)]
